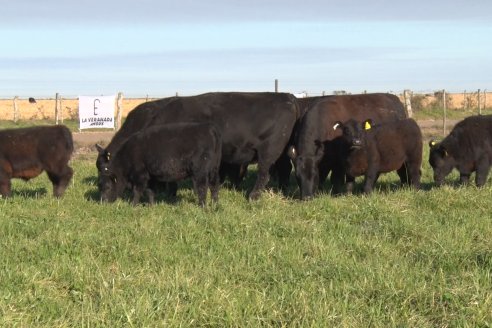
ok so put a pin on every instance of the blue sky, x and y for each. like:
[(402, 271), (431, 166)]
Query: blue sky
[(158, 48)]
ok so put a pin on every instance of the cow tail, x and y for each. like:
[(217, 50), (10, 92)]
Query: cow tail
[(218, 142)]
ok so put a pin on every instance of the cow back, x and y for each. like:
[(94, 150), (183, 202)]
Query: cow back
[(470, 138)]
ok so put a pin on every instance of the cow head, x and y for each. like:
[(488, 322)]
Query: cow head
[(103, 158), (441, 161), (306, 169), (108, 185), (353, 131)]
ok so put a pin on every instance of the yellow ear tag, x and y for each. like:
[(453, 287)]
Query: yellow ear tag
[(433, 143), (367, 126)]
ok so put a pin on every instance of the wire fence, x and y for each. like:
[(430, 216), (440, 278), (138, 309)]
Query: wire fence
[(439, 105)]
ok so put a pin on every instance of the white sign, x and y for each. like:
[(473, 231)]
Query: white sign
[(96, 112)]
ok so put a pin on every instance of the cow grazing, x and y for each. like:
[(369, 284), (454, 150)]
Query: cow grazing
[(170, 152), (255, 127), (468, 148), (25, 153), (315, 150), (370, 151)]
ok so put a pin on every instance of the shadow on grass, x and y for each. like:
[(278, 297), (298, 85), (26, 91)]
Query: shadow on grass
[(91, 181), (30, 193), (379, 187)]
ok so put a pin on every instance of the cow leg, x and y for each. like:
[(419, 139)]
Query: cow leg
[(370, 180), (200, 185), (413, 174), (60, 180), (5, 187), (137, 193), (150, 195), (403, 174), (350, 180), (482, 172), (337, 180), (465, 178), (140, 185), (214, 185), (261, 181), (324, 170)]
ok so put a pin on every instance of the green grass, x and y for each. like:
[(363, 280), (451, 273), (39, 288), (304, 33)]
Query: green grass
[(396, 258)]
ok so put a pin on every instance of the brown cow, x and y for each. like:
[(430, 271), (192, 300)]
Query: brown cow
[(315, 150), (25, 153), (370, 151)]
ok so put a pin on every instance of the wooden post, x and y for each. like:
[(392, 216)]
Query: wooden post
[(479, 103), (61, 109), (56, 108), (276, 85), (444, 121), (16, 110), (119, 109), (407, 97)]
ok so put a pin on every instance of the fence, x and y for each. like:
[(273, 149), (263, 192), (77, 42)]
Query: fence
[(59, 108)]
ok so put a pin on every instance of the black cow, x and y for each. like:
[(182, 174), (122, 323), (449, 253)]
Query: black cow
[(137, 120), (25, 153), (316, 148), (255, 127), (468, 148), (370, 151), (169, 152)]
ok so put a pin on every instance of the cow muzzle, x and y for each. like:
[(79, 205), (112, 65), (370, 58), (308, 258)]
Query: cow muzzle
[(356, 143)]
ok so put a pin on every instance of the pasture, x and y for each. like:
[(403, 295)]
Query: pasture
[(398, 257)]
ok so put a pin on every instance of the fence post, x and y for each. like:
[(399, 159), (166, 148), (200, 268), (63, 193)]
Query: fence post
[(61, 109), (119, 109), (276, 85), (56, 108), (444, 121), (407, 97), (479, 103), (16, 110)]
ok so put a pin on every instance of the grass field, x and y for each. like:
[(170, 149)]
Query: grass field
[(396, 258)]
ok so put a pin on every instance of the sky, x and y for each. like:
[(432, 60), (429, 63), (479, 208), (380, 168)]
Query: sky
[(160, 48)]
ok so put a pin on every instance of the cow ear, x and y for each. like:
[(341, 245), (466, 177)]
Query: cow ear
[(337, 125), (292, 152), (100, 149), (367, 125)]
